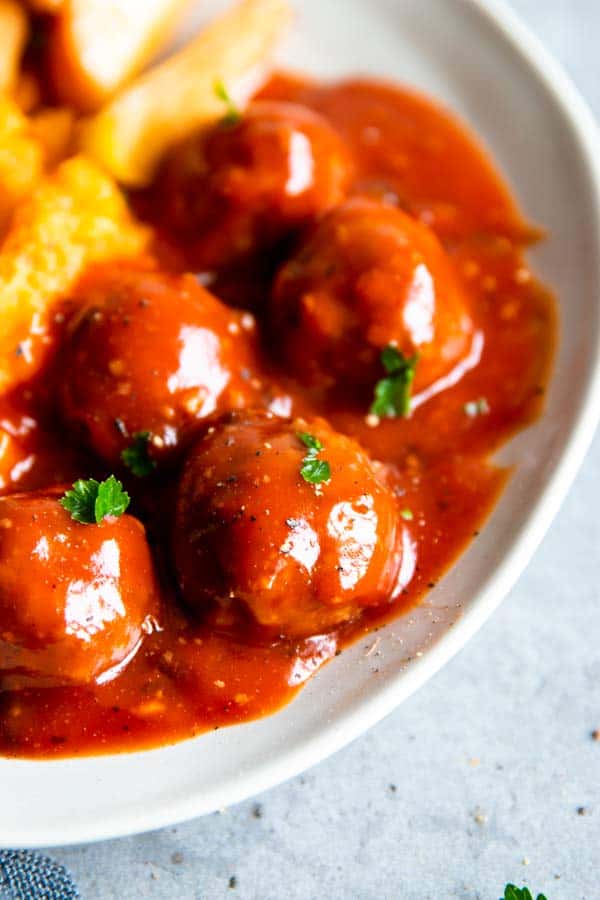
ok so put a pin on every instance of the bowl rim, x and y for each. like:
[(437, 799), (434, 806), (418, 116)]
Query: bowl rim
[(365, 713)]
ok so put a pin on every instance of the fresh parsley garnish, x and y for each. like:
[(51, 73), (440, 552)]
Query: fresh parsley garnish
[(392, 393), (313, 470), (313, 443), (512, 892), (407, 514), (233, 114), (90, 501), (475, 408), (136, 456)]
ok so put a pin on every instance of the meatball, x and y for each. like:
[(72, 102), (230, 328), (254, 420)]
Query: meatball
[(369, 276), (252, 534), (242, 187), (152, 354), (75, 600)]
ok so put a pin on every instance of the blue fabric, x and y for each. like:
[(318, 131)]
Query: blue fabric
[(31, 876)]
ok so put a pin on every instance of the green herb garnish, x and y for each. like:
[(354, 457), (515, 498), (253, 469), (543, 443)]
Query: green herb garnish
[(313, 470), (90, 501), (233, 114), (392, 393), (512, 892), (313, 443), (407, 515), (136, 456)]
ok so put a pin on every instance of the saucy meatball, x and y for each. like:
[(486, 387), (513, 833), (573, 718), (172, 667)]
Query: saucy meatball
[(242, 187), (252, 534), (369, 276), (74, 599), (151, 353)]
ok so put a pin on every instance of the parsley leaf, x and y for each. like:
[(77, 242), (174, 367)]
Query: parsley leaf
[(111, 499), (81, 499), (392, 359), (136, 457), (313, 470), (392, 393), (90, 501), (309, 440), (233, 114), (512, 892)]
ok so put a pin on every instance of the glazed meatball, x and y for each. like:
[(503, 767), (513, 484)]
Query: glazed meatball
[(243, 187), (252, 534), (367, 277), (150, 353), (75, 600)]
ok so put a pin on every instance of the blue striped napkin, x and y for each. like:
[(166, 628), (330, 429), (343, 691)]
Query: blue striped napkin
[(31, 876)]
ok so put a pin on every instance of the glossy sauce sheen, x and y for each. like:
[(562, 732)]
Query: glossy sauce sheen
[(189, 678)]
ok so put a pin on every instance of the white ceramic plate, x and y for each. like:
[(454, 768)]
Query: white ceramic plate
[(480, 60)]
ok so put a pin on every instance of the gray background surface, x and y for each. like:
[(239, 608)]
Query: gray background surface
[(489, 774)]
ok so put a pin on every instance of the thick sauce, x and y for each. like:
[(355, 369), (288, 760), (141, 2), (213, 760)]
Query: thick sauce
[(189, 677)]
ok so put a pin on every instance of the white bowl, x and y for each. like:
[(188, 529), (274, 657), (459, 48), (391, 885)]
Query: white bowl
[(478, 58)]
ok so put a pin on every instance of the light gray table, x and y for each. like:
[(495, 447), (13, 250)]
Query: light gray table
[(487, 775)]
